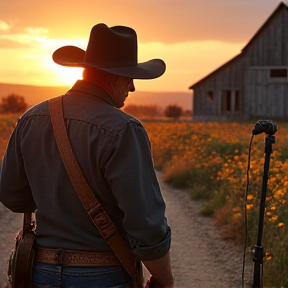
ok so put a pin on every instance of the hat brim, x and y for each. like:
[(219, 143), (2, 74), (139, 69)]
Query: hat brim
[(73, 56)]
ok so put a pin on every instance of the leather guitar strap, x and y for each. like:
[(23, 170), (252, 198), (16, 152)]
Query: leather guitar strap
[(85, 194)]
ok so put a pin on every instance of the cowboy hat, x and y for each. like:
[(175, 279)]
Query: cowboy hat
[(113, 50)]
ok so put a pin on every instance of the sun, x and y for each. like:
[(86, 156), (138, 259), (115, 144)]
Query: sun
[(58, 75), (67, 75)]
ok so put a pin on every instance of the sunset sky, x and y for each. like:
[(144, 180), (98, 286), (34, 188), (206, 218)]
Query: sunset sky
[(193, 37)]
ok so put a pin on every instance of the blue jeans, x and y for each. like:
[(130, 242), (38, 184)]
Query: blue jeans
[(52, 276)]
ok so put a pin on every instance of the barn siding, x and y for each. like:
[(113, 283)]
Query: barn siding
[(269, 46), (249, 73), (265, 96), (285, 105), (229, 79)]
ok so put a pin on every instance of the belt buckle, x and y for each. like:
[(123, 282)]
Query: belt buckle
[(59, 257)]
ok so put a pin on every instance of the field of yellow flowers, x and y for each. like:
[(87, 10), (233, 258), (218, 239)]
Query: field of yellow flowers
[(211, 160), (7, 124)]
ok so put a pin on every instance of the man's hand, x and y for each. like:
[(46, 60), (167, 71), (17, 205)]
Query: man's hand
[(153, 283), (160, 269)]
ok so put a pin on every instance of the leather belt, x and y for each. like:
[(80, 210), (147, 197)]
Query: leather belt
[(75, 258)]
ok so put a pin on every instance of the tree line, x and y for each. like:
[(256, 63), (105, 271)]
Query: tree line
[(172, 111), (14, 103)]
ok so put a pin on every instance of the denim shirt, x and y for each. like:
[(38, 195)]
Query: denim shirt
[(113, 151)]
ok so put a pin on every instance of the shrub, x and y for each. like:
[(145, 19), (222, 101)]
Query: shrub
[(13, 103), (173, 111)]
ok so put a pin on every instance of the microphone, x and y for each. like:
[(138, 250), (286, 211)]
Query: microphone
[(266, 126)]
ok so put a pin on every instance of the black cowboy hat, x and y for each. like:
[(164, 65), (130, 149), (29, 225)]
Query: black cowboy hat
[(113, 50)]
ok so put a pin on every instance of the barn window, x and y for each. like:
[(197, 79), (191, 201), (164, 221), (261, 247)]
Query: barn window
[(210, 95), (278, 73), (230, 101), (226, 100)]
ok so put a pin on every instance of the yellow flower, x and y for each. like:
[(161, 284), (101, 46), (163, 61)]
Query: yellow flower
[(268, 256), (285, 184), (279, 192), (250, 197), (249, 206), (237, 215), (274, 217), (236, 209)]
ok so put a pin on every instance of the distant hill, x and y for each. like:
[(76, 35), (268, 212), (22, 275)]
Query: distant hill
[(32, 94), (36, 94), (161, 99)]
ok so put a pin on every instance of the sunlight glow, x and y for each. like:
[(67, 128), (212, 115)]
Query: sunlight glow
[(4, 26), (67, 75)]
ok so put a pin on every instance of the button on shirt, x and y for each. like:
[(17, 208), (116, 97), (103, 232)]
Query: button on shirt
[(113, 151)]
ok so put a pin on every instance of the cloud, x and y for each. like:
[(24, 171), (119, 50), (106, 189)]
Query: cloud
[(25, 39), (38, 31)]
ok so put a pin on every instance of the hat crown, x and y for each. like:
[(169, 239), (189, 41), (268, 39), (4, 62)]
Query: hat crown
[(112, 47)]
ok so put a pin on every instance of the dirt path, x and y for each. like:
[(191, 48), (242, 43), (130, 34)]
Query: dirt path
[(200, 259), (10, 224)]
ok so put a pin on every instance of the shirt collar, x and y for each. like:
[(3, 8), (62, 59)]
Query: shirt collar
[(92, 89)]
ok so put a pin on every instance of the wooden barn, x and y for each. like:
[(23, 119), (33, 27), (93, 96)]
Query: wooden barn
[(252, 85)]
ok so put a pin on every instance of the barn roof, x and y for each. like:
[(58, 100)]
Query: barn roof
[(282, 5), (217, 70)]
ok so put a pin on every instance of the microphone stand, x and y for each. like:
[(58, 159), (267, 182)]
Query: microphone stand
[(259, 253)]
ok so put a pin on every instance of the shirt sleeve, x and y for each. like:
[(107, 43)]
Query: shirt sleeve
[(15, 192), (130, 173)]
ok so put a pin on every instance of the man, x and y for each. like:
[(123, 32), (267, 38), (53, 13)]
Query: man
[(112, 149)]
